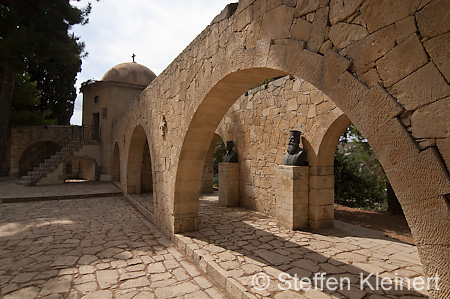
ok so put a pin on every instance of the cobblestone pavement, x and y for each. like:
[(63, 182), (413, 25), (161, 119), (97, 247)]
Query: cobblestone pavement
[(233, 245), (91, 248)]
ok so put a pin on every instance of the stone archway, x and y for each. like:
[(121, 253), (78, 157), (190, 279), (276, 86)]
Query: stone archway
[(381, 64), (138, 162)]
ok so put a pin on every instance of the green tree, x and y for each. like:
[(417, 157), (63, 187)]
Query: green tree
[(360, 180), (25, 108), (32, 32)]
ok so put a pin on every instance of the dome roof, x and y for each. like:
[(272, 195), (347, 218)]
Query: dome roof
[(130, 73)]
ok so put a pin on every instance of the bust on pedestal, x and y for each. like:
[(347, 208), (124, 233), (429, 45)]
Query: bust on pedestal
[(229, 178), (295, 155)]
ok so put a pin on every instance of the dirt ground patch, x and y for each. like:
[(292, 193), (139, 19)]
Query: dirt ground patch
[(394, 226)]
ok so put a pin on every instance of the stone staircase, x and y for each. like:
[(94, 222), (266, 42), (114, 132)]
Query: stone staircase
[(49, 165), (44, 160)]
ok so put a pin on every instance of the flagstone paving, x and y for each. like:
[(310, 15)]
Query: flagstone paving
[(244, 250), (103, 248), (91, 248)]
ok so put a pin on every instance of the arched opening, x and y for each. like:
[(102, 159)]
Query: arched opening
[(210, 169), (116, 164), (363, 195), (139, 173), (139, 183)]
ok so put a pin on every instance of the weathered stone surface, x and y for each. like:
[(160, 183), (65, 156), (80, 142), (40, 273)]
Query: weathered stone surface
[(178, 290), (432, 120), (444, 149), (343, 34), (342, 9), (437, 48), (402, 61), (301, 29), (420, 88), (434, 18), (378, 14), (404, 28), (107, 278), (305, 7), (282, 16), (371, 48), (318, 29)]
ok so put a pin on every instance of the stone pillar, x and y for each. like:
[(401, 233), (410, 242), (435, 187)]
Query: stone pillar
[(292, 190), (229, 184)]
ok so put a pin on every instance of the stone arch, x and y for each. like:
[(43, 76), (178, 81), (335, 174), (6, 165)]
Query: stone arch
[(116, 164), (135, 162)]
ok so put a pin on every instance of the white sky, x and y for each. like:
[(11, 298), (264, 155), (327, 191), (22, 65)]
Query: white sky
[(155, 30)]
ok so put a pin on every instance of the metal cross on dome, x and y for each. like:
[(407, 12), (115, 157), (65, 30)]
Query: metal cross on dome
[(133, 56)]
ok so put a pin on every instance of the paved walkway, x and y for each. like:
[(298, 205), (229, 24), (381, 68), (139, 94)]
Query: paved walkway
[(246, 252), (91, 248), (103, 248)]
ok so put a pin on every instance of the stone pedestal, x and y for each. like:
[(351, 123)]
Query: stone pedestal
[(229, 184), (292, 190)]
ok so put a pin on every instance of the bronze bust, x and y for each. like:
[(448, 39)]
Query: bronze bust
[(295, 155), (231, 156)]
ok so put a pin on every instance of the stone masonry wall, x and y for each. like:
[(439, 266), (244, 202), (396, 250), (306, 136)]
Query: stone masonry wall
[(259, 124), (378, 61)]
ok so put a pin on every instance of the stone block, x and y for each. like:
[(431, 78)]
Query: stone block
[(370, 48), (434, 19), (276, 23), (392, 143), (343, 34), (429, 220), (374, 110), (321, 212), (292, 196), (321, 197), (301, 30), (419, 177), (404, 59), (437, 48), (305, 7), (229, 184), (432, 121), (404, 28), (421, 88), (318, 29), (342, 9), (379, 14), (444, 149)]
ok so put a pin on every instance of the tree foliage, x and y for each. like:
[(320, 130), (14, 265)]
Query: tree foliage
[(360, 180), (34, 37), (27, 98)]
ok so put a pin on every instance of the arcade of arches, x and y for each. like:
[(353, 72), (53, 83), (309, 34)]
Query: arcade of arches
[(382, 66)]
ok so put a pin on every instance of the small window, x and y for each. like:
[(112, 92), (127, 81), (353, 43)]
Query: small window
[(96, 99), (104, 113)]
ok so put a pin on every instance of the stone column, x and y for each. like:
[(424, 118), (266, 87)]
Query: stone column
[(229, 184), (292, 189)]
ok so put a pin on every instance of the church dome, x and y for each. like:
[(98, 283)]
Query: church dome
[(130, 73)]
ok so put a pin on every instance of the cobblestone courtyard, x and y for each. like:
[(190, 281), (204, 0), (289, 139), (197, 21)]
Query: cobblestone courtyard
[(96, 248), (103, 248)]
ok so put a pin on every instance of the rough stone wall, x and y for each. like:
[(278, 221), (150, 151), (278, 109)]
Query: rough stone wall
[(259, 123), (379, 61), (22, 137)]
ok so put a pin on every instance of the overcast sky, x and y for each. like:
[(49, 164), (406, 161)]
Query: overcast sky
[(155, 30)]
